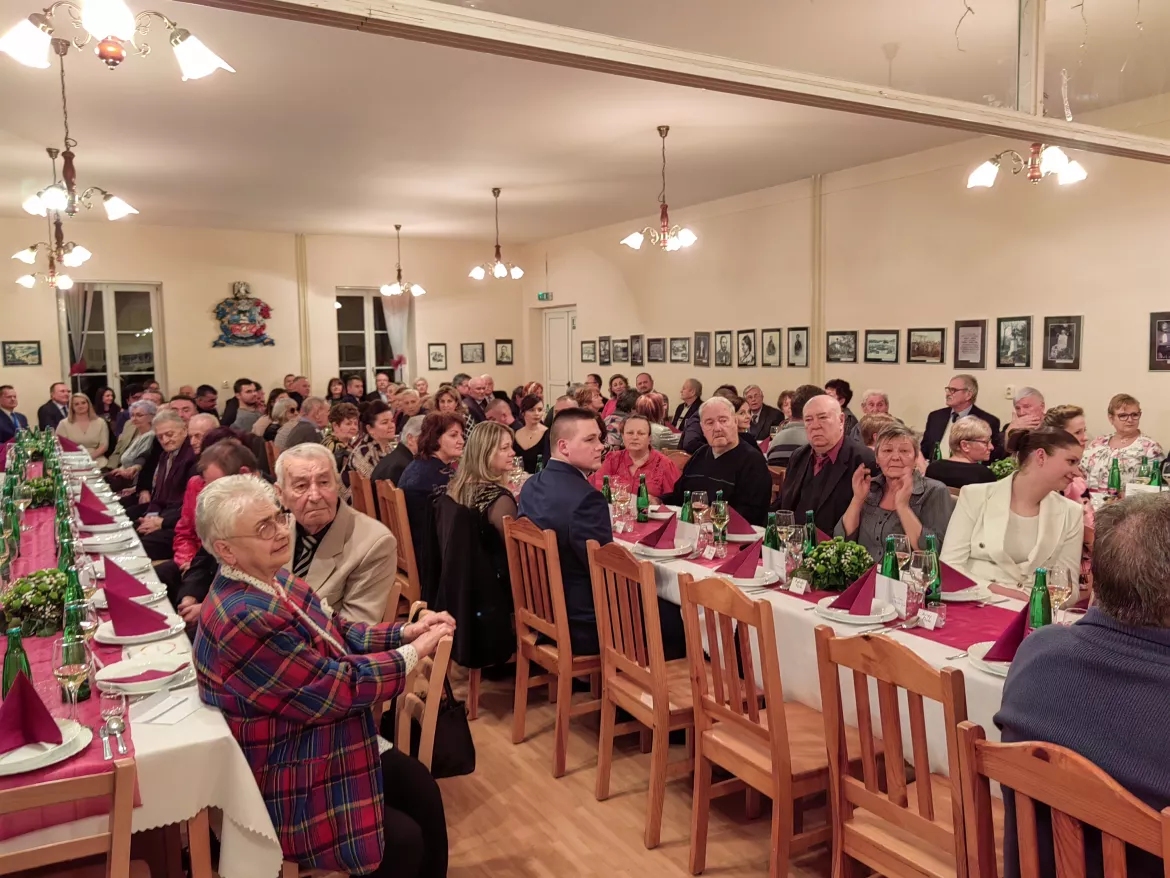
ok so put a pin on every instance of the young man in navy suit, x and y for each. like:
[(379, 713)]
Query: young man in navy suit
[(11, 420)]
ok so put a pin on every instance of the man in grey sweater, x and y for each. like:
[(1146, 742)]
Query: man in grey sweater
[(1099, 687), (792, 434)]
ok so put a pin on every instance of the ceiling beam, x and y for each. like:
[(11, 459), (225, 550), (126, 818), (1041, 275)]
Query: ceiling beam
[(457, 27)]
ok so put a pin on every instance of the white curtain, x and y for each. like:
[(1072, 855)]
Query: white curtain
[(399, 314), (78, 305)]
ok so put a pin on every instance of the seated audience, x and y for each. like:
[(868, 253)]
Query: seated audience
[(133, 455), (623, 408), (873, 402), (299, 389), (784, 403), (315, 416), (292, 679), (10, 419), (242, 389), (820, 474), (408, 403), (724, 463), (618, 384), (265, 420), (355, 389), (56, 409), (440, 445), (517, 398), (198, 428), (159, 512), (643, 382), (961, 393), (447, 401), (382, 392), (970, 448), (594, 380), (185, 407), (1098, 687), (589, 399), (131, 393), (393, 465), (727, 391), (341, 430), (136, 426), (498, 411), (792, 435), (650, 406), (86, 428), (869, 426), (1071, 419), (1002, 531), (335, 392), (377, 429), (286, 417), (636, 458), (206, 400), (763, 418), (743, 421), (531, 439), (840, 390), (687, 412), (898, 501), (106, 407), (345, 557), (1126, 444)]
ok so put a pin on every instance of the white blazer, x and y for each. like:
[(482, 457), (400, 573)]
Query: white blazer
[(975, 535)]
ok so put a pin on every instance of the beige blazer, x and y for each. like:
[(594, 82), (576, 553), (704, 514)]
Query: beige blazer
[(354, 566), (975, 535)]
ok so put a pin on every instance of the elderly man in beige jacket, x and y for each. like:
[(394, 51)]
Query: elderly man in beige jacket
[(347, 558)]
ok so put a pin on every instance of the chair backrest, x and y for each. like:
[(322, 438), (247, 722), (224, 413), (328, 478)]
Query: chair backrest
[(392, 600), (727, 615), (677, 457), (955, 491), (1078, 794), (114, 844), (893, 667), (420, 701), (538, 593), (363, 494), (392, 506), (625, 598), (270, 450), (777, 473)]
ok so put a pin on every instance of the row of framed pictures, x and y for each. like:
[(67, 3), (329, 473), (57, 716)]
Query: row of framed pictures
[(470, 352), (723, 347)]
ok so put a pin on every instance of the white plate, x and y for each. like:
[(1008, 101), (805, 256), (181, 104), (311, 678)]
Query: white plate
[(757, 533), (663, 516), (105, 633), (74, 739), (885, 614), (104, 539), (683, 548), (975, 593), (765, 577), (158, 592), (129, 563), (977, 651), (102, 544), (177, 667), (116, 527)]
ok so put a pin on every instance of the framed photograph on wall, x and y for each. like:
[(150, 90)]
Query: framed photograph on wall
[(1013, 343), (798, 347), (970, 344), (503, 352), (636, 356), (437, 357), (680, 350), (655, 350), (723, 347), (702, 349), (881, 345), (841, 347), (471, 352), (926, 345), (1063, 337), (589, 352), (621, 350), (745, 347), (1159, 341), (603, 350), (771, 347), (22, 353)]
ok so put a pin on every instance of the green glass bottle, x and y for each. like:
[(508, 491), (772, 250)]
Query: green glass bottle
[(687, 513), (73, 590), (15, 661), (937, 451), (1115, 477), (643, 499), (772, 533), (1156, 473), (934, 590), (539, 462), (890, 560), (1039, 602), (605, 492), (1143, 475), (810, 533)]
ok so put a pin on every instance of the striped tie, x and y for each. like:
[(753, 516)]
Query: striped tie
[(308, 549)]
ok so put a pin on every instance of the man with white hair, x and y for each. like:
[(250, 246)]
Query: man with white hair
[(489, 389), (1027, 409), (961, 392), (473, 400), (346, 557), (873, 402), (408, 403), (726, 464), (764, 416), (198, 427), (393, 464), (311, 424)]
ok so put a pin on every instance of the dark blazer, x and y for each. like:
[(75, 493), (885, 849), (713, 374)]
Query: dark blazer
[(475, 409), (837, 492), (559, 498), (350, 398), (393, 465), (49, 416), (231, 408), (692, 438), (304, 431), (374, 396), (9, 425), (769, 417), (936, 425), (683, 412)]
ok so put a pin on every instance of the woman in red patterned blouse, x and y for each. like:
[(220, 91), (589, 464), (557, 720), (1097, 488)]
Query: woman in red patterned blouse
[(638, 458)]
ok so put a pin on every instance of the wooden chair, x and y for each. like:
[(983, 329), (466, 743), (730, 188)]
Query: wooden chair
[(778, 750), (392, 509), (635, 675), (1078, 794), (270, 449), (778, 473), (954, 491), (677, 457), (915, 828), (421, 699), (114, 844), (390, 614), (363, 494), (534, 565)]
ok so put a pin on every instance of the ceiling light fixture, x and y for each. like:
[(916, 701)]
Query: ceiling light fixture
[(667, 237), (400, 286), (59, 252), (113, 26), (1043, 161), (497, 268)]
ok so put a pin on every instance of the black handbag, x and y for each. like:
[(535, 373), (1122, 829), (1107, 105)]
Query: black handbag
[(454, 752)]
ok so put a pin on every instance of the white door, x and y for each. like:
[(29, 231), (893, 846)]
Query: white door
[(560, 338), (124, 339)]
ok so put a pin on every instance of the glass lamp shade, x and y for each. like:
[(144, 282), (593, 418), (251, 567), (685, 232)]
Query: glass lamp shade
[(27, 44), (35, 206), (116, 208), (107, 18), (1073, 172), (75, 257), (499, 271), (984, 175), (416, 290), (55, 197), (195, 59), (64, 282), (27, 281), (517, 272), (1052, 161), (477, 273), (634, 240), (391, 289), (28, 257), (686, 237)]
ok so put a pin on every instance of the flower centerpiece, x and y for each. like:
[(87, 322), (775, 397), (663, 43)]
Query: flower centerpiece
[(834, 564), (1004, 468), (34, 603), (40, 491)]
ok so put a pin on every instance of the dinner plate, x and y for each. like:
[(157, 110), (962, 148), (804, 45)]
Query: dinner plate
[(116, 527), (74, 739), (129, 563), (664, 515), (974, 593), (158, 592), (976, 652), (763, 577), (885, 614), (174, 668), (757, 533), (105, 633), (683, 548)]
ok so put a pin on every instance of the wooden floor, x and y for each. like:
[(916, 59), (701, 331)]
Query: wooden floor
[(512, 819)]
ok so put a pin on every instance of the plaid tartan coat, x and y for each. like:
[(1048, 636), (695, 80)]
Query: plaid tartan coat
[(302, 715)]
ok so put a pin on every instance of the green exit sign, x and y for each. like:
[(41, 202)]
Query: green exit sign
[(544, 297)]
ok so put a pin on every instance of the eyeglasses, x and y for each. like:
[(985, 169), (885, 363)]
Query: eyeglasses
[(980, 441), (950, 390), (267, 529), (1128, 416)]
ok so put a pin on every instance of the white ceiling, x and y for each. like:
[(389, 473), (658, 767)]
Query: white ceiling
[(329, 131)]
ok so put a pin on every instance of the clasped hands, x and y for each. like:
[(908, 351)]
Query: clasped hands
[(425, 634)]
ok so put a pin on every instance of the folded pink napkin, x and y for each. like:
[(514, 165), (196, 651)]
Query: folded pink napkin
[(24, 719), (858, 598), (90, 499), (130, 619), (660, 509), (736, 523), (742, 565), (118, 580), (1005, 646), (953, 580), (822, 537), (147, 676), (662, 537), (91, 516), (68, 444)]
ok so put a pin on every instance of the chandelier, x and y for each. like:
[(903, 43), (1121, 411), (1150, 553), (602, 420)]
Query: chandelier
[(113, 26), (400, 286), (497, 268), (59, 252), (667, 237), (1042, 161)]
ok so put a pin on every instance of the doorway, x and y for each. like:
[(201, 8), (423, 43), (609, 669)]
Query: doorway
[(560, 342), (122, 341)]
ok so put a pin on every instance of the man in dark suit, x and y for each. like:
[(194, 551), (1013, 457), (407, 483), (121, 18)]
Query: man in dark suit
[(381, 391), (473, 393), (56, 409), (686, 416), (764, 416), (355, 389), (11, 420), (560, 498), (207, 400), (961, 391), (820, 474)]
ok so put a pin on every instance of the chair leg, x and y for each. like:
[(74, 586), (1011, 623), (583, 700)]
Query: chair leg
[(659, 757), (472, 693), (521, 705), (645, 740), (781, 836), (752, 804), (605, 748), (564, 684), (552, 692), (700, 812)]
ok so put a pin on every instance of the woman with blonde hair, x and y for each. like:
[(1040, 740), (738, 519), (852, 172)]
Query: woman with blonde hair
[(970, 447), (481, 482), (1126, 444), (83, 426)]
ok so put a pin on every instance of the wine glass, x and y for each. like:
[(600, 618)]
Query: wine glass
[(72, 662), (621, 501), (902, 550), (1060, 589), (112, 704), (922, 569), (785, 523), (23, 503), (699, 506), (720, 516)]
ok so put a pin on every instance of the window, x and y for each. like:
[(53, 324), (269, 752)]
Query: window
[(121, 345), (363, 343)]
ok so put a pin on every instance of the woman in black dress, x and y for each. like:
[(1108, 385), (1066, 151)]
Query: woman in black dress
[(531, 440)]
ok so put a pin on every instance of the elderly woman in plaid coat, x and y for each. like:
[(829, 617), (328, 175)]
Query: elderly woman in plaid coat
[(297, 685)]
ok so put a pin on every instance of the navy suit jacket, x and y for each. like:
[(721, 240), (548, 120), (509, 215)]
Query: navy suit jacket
[(49, 416), (9, 425), (936, 425), (560, 499)]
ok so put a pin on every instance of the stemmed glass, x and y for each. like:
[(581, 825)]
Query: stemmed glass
[(1060, 589), (72, 663), (902, 550), (785, 523), (23, 503), (621, 501), (720, 516), (921, 574), (699, 506)]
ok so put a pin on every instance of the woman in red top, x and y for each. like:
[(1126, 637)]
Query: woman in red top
[(637, 458)]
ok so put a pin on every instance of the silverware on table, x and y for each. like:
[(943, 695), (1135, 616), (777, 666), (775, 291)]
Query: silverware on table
[(957, 655), (104, 734), (991, 603), (116, 726)]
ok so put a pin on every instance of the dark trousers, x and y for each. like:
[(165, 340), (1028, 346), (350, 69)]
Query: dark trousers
[(160, 544), (414, 825)]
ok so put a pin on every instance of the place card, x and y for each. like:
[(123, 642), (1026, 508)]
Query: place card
[(687, 532), (709, 553), (799, 586), (927, 619), (776, 560), (892, 591)]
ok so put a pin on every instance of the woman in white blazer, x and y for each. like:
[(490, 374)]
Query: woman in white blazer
[(1002, 531)]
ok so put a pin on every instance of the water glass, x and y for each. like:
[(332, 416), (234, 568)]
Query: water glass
[(699, 506), (1060, 589), (915, 599), (922, 568), (86, 616), (706, 536), (940, 611), (112, 705)]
